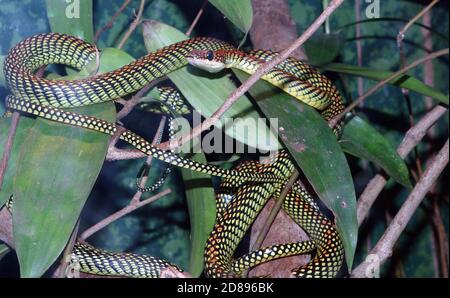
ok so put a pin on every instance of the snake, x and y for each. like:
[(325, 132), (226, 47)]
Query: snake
[(49, 99), (170, 103)]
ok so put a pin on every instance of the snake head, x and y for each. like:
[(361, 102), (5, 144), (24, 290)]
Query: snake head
[(211, 61)]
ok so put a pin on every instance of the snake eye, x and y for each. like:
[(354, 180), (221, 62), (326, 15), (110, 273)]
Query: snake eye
[(210, 55)]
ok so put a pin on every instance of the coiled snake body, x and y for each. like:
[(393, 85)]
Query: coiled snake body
[(249, 186)]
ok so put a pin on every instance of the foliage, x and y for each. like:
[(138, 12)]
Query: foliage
[(174, 230)]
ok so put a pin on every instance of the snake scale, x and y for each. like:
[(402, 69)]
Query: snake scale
[(245, 189)]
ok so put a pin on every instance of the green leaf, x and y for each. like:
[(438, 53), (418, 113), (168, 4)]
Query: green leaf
[(71, 17), (202, 212), (25, 124), (316, 150), (207, 92), (58, 165), (360, 139), (239, 12), (404, 81), (323, 48)]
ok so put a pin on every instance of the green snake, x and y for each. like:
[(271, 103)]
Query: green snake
[(44, 98)]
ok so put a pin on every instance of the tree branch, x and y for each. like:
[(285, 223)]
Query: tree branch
[(135, 202), (121, 213), (273, 213), (383, 249), (412, 137), (197, 17), (111, 22), (133, 25)]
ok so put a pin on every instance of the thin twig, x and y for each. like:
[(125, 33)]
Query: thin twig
[(148, 162), (135, 201), (197, 17), (133, 25), (120, 154), (121, 213), (273, 213), (405, 92), (428, 68), (128, 105), (8, 146), (358, 44), (380, 84), (383, 249), (401, 33), (60, 272), (412, 137), (234, 96), (111, 22)]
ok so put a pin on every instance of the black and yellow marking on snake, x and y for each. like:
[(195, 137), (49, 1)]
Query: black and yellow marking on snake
[(88, 259), (171, 103), (243, 208), (252, 188)]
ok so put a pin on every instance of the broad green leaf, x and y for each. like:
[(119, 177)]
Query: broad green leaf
[(202, 212), (317, 152), (239, 12), (57, 186), (58, 165), (323, 48), (25, 123), (57, 170), (206, 93), (404, 81), (360, 139), (71, 17)]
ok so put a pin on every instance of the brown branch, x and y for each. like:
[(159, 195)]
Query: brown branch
[(133, 25), (120, 154), (111, 22), (60, 272), (8, 146), (380, 84), (412, 137), (401, 33), (383, 249), (405, 92), (428, 69), (121, 213), (135, 202), (197, 17), (148, 162), (358, 44), (234, 96), (128, 105)]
